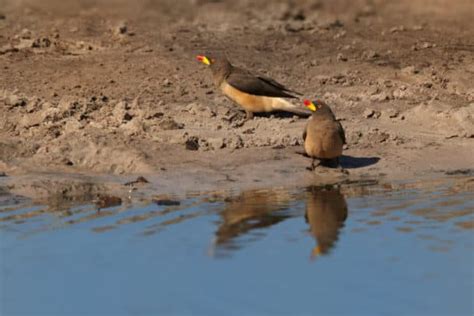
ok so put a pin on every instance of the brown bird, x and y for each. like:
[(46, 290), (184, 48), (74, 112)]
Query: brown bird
[(255, 93), (323, 135), (326, 211)]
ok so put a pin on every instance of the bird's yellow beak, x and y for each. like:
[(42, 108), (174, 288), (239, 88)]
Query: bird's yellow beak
[(203, 59), (315, 252), (310, 105)]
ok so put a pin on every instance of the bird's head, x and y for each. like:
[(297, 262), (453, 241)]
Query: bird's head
[(218, 64), (205, 60), (311, 106), (319, 108)]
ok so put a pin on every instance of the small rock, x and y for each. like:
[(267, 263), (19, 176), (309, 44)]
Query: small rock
[(410, 70), (127, 117), (166, 82), (199, 109), (368, 113), (25, 43), (341, 57), (377, 136), (340, 34), (401, 93), (294, 26), (2, 174), (371, 54), (154, 115), (68, 162), (426, 45), (25, 34), (332, 24), (2, 16), (381, 97), (192, 143), (170, 124), (427, 85), (43, 42), (390, 113), (399, 28), (14, 101), (216, 143), (249, 131), (234, 142), (121, 28)]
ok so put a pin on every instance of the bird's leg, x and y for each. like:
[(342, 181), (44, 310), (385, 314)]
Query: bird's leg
[(313, 165), (248, 115), (338, 165)]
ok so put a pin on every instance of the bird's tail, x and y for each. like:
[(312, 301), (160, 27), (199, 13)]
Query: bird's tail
[(280, 104)]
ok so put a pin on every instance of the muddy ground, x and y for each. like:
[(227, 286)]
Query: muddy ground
[(113, 87)]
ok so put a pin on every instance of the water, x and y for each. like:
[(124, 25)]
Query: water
[(370, 249)]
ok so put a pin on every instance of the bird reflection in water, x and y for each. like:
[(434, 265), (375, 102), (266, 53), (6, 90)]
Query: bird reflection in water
[(248, 213), (326, 211)]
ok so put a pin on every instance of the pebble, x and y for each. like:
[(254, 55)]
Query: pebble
[(368, 113), (192, 143), (170, 124), (399, 28), (294, 26), (166, 82), (410, 70), (371, 54), (216, 143), (121, 28), (14, 101), (380, 97), (390, 113), (341, 57)]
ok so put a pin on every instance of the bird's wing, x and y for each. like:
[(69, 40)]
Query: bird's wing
[(304, 133), (340, 130), (251, 84), (277, 84)]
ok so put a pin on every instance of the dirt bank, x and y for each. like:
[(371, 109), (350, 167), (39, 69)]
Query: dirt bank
[(91, 87)]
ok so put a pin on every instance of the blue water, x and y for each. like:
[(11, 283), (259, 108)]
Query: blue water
[(388, 252)]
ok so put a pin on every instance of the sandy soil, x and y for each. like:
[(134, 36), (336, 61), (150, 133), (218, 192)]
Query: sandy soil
[(113, 87)]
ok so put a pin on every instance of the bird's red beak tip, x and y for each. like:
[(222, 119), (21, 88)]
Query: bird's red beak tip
[(307, 102)]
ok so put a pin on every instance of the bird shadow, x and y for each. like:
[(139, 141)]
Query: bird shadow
[(350, 162), (280, 114)]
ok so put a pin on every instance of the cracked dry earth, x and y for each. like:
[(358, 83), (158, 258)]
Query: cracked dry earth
[(93, 88)]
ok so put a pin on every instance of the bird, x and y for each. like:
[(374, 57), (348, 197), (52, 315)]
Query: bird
[(326, 212), (254, 93), (323, 135)]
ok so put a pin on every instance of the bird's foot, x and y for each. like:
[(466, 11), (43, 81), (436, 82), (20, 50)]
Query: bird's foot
[(248, 115), (313, 165)]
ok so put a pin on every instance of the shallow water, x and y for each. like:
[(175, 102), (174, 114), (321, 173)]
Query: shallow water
[(359, 249)]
